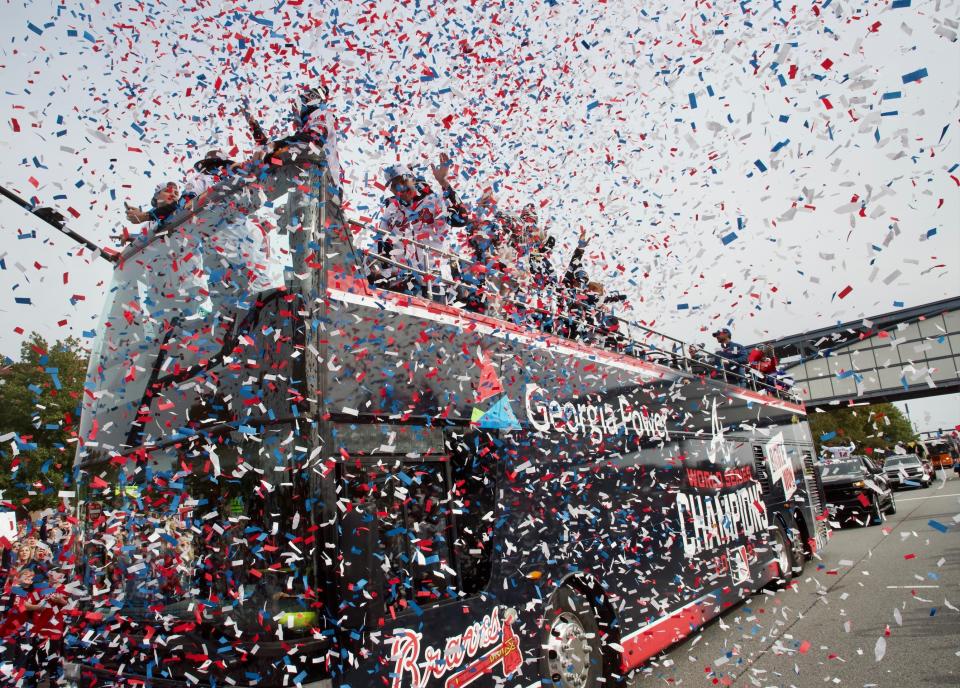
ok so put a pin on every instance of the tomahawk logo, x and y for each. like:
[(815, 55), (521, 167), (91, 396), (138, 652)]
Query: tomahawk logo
[(408, 670), (718, 448)]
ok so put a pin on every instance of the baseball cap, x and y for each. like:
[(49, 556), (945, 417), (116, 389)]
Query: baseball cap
[(391, 172), (721, 331)]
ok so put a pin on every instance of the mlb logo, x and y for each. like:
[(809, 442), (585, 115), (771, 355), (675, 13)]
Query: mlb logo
[(739, 565)]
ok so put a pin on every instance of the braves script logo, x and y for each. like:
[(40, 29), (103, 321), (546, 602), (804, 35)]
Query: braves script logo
[(405, 653)]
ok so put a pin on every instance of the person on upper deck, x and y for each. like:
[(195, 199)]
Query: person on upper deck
[(729, 357), (763, 359), (236, 248), (411, 233), (730, 350), (164, 203), (315, 128), (577, 298), (172, 268), (481, 236), (209, 171)]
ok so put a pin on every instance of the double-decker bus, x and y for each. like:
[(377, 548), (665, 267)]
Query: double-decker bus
[(289, 477)]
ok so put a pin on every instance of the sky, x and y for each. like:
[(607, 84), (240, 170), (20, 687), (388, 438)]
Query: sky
[(768, 166)]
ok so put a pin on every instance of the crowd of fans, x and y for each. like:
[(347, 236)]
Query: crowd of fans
[(433, 245), (485, 259), (430, 243), (33, 599)]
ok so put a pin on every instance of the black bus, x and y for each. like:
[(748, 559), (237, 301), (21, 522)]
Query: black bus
[(289, 477)]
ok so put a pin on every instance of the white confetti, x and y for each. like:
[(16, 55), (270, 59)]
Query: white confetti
[(880, 649)]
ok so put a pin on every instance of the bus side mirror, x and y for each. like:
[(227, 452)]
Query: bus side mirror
[(360, 584)]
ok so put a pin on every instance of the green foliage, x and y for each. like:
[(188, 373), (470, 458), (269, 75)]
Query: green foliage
[(40, 404), (875, 429)]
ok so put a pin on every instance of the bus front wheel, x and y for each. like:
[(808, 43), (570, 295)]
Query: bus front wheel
[(573, 655)]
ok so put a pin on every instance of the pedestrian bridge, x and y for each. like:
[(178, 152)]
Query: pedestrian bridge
[(904, 354)]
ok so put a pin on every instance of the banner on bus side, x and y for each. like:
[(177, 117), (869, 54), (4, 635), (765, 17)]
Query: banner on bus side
[(481, 647), (584, 418), (781, 469), (709, 521)]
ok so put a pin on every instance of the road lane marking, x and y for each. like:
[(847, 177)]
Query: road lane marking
[(914, 499), (911, 587)]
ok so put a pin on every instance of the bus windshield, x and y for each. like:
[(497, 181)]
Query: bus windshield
[(191, 467), (177, 303)]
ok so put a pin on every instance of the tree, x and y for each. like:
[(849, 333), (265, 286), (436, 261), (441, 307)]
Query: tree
[(39, 411), (877, 428)]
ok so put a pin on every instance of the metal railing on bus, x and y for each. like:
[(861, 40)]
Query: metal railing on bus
[(509, 297)]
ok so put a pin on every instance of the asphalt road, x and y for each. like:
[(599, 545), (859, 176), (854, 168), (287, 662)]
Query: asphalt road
[(880, 606)]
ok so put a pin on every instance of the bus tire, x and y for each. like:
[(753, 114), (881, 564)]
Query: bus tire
[(783, 551), (572, 651)]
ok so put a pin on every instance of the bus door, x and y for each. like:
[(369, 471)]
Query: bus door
[(418, 515)]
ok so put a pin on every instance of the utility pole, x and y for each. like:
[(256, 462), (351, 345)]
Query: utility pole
[(909, 418)]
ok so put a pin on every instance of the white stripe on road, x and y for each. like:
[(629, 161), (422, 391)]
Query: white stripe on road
[(913, 499), (911, 587)]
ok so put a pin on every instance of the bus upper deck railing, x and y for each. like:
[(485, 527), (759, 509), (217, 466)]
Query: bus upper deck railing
[(506, 293)]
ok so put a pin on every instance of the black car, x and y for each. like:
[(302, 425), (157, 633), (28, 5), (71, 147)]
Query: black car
[(856, 489), (906, 470)]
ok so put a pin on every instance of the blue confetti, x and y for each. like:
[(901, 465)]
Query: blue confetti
[(260, 20), (915, 76), (936, 525), (729, 238), (779, 145)]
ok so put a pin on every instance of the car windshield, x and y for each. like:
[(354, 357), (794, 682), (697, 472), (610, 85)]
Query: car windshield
[(909, 460), (838, 468)]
